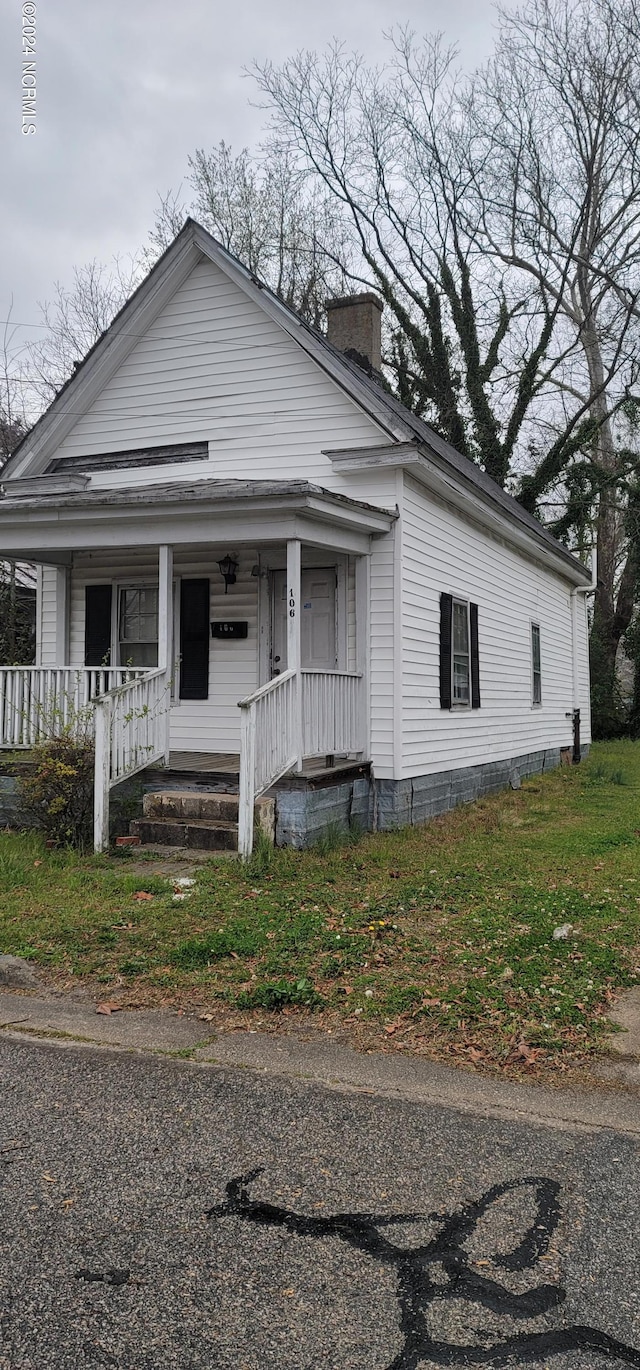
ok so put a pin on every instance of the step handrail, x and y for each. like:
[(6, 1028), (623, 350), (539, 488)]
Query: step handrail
[(131, 731), (270, 741), (265, 689)]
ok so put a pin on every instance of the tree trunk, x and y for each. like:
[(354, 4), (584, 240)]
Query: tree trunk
[(610, 619)]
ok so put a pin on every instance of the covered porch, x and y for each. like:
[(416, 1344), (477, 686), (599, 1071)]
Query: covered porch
[(241, 641)]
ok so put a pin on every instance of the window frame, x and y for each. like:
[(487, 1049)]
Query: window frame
[(120, 587), (466, 604), (536, 673)]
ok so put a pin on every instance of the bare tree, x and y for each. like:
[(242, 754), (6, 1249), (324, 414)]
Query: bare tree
[(17, 584), (13, 389), (500, 218), (267, 213), (556, 119), (394, 149), (77, 317)]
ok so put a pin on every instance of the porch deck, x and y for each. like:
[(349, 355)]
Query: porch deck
[(223, 768)]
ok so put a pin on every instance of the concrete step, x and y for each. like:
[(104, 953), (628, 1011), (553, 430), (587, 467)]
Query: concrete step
[(185, 818), (198, 833), (185, 805)]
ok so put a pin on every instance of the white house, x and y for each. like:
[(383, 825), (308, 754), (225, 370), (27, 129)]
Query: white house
[(227, 510)]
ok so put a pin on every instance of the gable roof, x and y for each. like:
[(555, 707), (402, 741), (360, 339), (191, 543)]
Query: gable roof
[(402, 427)]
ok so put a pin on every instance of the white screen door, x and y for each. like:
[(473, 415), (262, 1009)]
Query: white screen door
[(318, 620)]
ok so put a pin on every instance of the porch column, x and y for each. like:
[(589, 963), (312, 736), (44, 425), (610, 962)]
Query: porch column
[(293, 633), (62, 615), (363, 645), (165, 632)]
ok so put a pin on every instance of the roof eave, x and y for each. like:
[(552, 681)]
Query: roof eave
[(426, 466)]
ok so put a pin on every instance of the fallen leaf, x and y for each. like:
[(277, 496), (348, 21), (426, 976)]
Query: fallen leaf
[(49, 1178), (108, 1008), (67, 1203), (475, 1055), (142, 894), (528, 1054), (206, 1017), (37, 863)]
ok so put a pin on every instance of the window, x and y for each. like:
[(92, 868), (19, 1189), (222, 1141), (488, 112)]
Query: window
[(536, 663), (138, 626), (460, 656)]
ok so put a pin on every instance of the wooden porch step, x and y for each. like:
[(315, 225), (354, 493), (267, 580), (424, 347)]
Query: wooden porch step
[(196, 833)]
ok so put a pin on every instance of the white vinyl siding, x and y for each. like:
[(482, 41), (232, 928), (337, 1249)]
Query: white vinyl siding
[(382, 677), (351, 615), (47, 615), (444, 552), (213, 367)]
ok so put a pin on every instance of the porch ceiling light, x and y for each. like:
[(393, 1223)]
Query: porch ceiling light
[(228, 568)]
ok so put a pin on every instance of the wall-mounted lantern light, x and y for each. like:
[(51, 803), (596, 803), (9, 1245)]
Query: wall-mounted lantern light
[(228, 568)]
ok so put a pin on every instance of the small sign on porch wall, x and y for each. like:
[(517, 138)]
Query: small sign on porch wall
[(230, 628)]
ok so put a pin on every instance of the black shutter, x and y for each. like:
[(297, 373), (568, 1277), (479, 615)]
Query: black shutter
[(97, 625), (446, 615), (475, 659), (194, 639)]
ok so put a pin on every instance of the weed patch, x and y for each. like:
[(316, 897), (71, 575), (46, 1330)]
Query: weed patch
[(278, 994)]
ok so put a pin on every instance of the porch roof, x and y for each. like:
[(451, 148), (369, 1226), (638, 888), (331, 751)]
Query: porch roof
[(49, 527)]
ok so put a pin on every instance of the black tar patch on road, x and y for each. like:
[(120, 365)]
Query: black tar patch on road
[(418, 1290)]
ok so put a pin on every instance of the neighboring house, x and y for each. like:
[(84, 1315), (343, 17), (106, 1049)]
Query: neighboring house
[(228, 508)]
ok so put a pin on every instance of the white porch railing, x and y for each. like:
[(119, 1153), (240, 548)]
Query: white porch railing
[(297, 714), (269, 737), (125, 708), (131, 732), (38, 701), (333, 713)]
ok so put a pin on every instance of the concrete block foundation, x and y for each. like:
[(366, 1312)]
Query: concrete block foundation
[(297, 812), (304, 814)]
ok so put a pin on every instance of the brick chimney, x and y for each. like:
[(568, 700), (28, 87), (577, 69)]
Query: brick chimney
[(354, 326)]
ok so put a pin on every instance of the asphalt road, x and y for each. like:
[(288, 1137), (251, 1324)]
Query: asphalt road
[(155, 1214)]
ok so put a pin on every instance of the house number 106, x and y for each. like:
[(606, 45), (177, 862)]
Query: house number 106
[(292, 604)]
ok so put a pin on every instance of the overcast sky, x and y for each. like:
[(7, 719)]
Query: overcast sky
[(125, 91)]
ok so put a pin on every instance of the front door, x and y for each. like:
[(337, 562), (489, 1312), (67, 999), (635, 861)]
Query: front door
[(318, 622)]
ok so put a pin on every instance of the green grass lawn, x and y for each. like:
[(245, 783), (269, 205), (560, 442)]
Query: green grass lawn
[(438, 939)]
